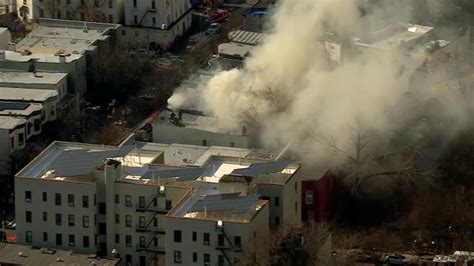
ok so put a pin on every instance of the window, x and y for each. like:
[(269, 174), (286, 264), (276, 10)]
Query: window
[(128, 260), (128, 220), (153, 21), (45, 216), (277, 201), (85, 241), (141, 202), (177, 236), (168, 205), (277, 221), (296, 206), (68, 2), (70, 200), (204, 142), (232, 144), (85, 221), (206, 239), (52, 111), (142, 242), (59, 239), (195, 236), (70, 219), (28, 196), (85, 201), (155, 241), (68, 14), (153, 4), (21, 139), (207, 259), (117, 198), (237, 241), (296, 186), (102, 208), (45, 237), (29, 236), (155, 221), (72, 241), (59, 219), (177, 256), (28, 216), (128, 201), (41, 12), (117, 218), (128, 240), (83, 17), (135, 20), (12, 143), (195, 257), (111, 5), (135, 3), (45, 196), (155, 202), (110, 18), (123, 33), (141, 222), (57, 199), (117, 239)]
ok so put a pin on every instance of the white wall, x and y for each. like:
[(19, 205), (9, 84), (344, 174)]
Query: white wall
[(164, 133), (37, 206), (5, 39)]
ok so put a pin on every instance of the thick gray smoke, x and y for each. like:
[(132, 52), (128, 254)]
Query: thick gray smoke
[(292, 93)]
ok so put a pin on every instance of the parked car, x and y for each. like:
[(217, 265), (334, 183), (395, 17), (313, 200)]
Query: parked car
[(397, 259), (214, 28)]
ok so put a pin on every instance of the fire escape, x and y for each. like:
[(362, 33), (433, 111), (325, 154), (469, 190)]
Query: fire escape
[(148, 10), (148, 226), (224, 244)]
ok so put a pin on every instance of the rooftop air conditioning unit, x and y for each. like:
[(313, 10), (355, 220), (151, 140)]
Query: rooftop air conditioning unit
[(219, 224), (162, 189), (164, 26)]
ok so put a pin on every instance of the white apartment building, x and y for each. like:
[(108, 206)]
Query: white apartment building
[(216, 229), (110, 11), (155, 23), (12, 138), (130, 200)]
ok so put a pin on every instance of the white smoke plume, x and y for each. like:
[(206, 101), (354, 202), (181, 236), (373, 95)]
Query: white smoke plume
[(290, 91)]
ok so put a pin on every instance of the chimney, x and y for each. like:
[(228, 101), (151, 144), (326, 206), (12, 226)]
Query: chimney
[(62, 58), (2, 55), (12, 46)]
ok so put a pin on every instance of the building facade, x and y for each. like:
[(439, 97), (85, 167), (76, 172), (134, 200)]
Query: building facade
[(110, 11), (131, 201), (155, 24)]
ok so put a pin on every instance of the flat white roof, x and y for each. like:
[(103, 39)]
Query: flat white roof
[(40, 57), (19, 108), (246, 37), (31, 78), (26, 94), (235, 49), (197, 120), (9, 122)]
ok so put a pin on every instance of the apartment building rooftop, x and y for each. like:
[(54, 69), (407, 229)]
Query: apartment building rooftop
[(53, 36), (235, 50), (157, 164), (26, 94), (228, 207), (31, 78), (40, 57), (393, 36), (13, 254), (196, 120), (19, 108), (10, 122)]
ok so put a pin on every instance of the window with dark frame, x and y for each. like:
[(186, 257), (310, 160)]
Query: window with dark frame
[(177, 236)]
